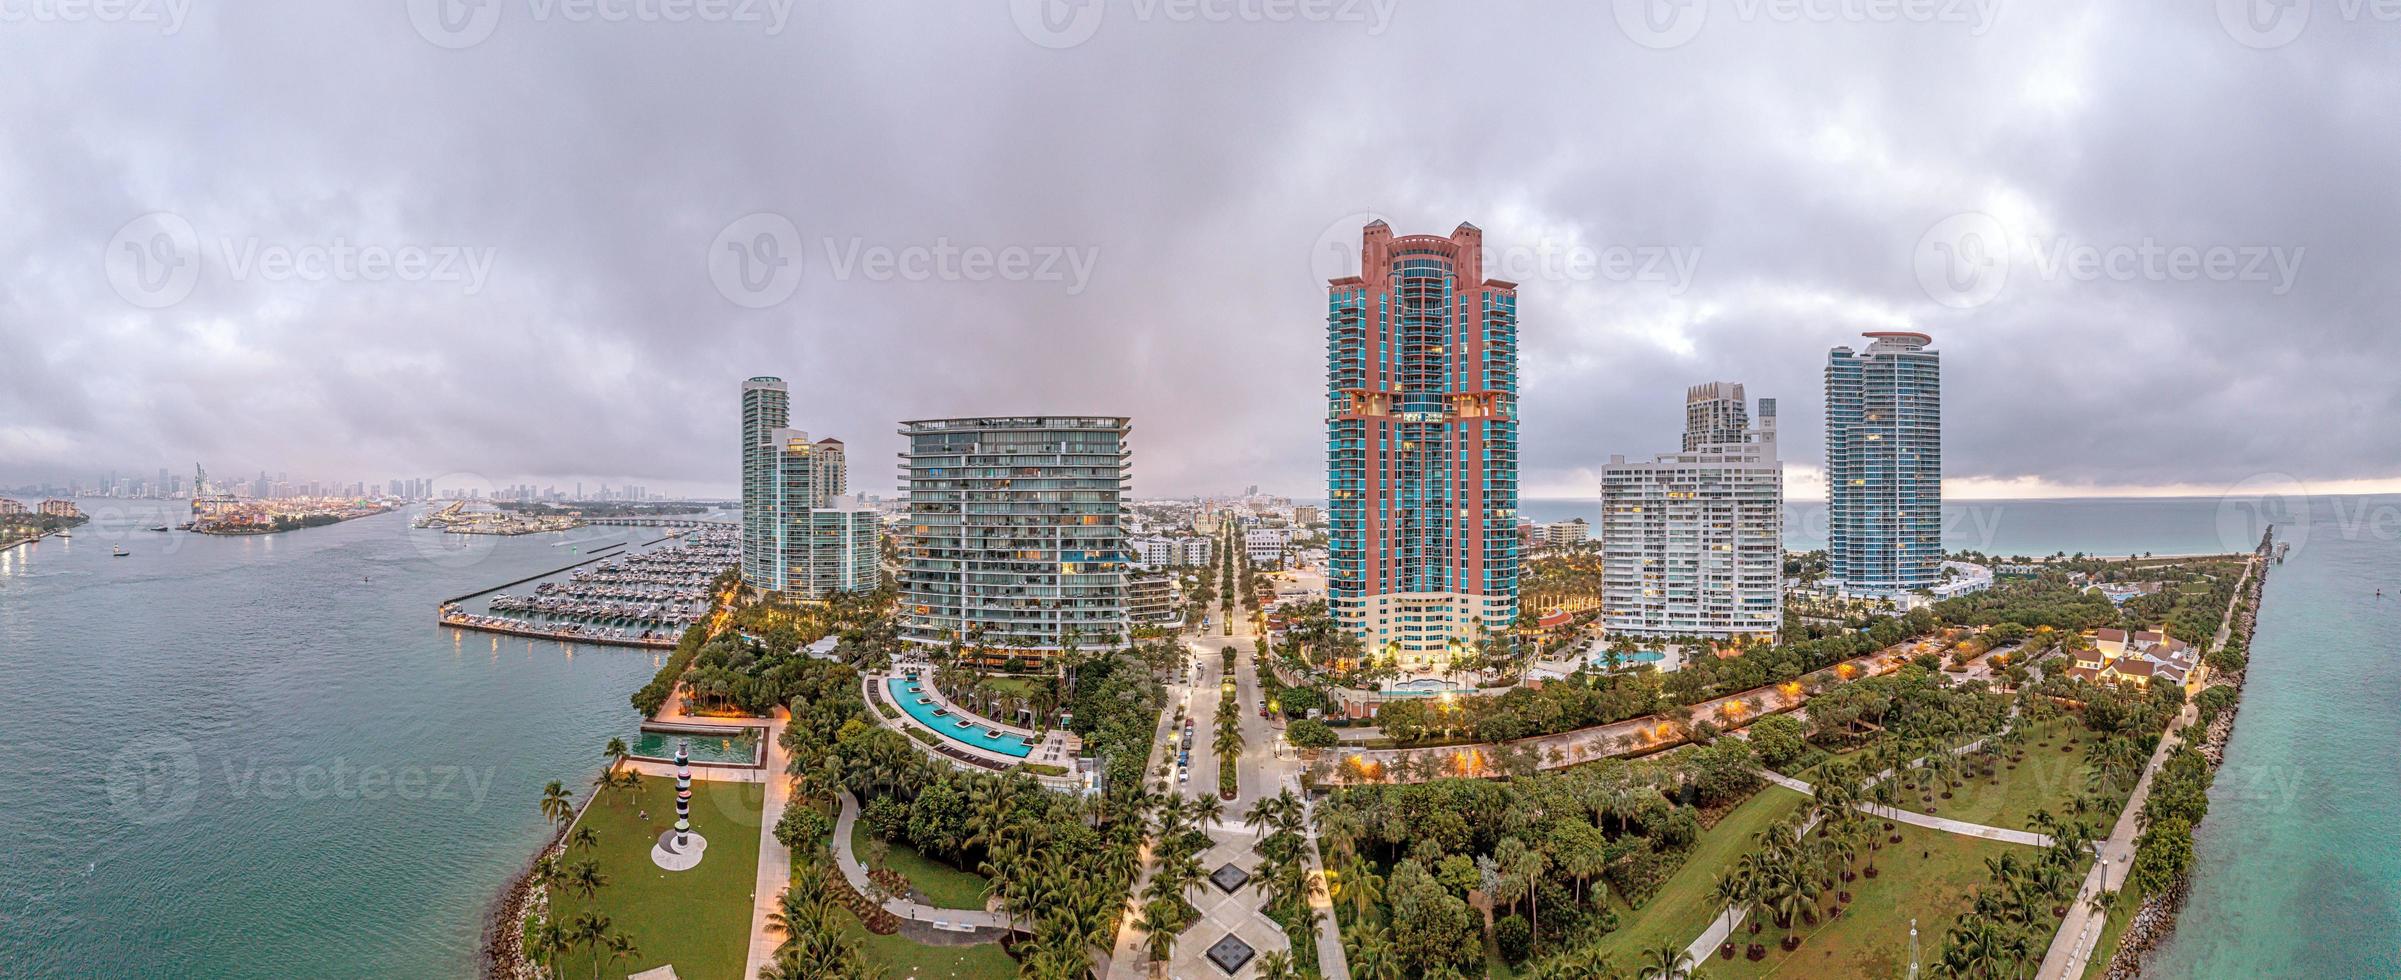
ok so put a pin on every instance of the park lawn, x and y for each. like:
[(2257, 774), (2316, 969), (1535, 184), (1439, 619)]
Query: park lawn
[(2047, 780), (1871, 937), (903, 958), (1685, 905), (2122, 904), (697, 920), (944, 886)]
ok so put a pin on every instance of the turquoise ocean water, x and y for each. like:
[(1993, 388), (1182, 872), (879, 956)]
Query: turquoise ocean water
[(260, 757)]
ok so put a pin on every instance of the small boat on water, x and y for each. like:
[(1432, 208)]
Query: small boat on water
[(119, 551), (162, 527)]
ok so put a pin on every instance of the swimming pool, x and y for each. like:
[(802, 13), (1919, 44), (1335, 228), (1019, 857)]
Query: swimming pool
[(1629, 660), (725, 746), (909, 696)]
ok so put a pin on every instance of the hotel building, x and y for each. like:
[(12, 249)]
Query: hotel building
[(1015, 531), (1692, 542), (1884, 465), (802, 537), (1421, 446)]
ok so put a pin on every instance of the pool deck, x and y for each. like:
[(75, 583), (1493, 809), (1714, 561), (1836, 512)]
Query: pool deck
[(1059, 747)]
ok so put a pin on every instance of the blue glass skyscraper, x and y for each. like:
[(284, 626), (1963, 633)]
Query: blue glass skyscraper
[(1884, 464)]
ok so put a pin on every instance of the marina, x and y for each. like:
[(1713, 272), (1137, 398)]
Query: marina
[(643, 599)]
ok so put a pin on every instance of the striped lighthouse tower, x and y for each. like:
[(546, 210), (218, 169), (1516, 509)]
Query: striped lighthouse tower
[(683, 792)]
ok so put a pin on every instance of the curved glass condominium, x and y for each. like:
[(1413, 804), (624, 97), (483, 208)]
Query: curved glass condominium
[(1016, 534), (1421, 446), (1884, 464)]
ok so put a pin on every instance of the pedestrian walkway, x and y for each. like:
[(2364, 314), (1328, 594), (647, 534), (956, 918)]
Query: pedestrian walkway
[(775, 860), (856, 874), (1914, 818)]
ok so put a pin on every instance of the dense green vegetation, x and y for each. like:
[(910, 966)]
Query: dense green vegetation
[(1549, 850)]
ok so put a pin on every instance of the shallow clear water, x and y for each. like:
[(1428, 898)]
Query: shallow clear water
[(260, 756), (2300, 856)]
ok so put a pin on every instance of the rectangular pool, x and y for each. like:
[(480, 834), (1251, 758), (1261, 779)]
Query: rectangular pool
[(725, 747), (910, 696)]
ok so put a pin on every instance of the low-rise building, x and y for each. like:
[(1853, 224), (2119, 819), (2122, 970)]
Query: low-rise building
[(60, 508), (1265, 545), (1573, 531), (1150, 598)]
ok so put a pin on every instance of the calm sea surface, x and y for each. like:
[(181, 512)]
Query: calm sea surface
[(260, 757)]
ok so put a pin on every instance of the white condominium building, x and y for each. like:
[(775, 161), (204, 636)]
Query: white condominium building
[(1265, 545), (1693, 541)]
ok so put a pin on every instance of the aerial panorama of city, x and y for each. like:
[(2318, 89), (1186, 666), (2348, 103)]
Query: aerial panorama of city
[(1186, 490)]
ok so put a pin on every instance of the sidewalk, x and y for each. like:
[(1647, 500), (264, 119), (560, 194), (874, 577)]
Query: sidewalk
[(856, 873), (775, 860)]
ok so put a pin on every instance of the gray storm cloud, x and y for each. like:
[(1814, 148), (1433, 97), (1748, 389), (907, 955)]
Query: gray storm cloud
[(1036, 207)]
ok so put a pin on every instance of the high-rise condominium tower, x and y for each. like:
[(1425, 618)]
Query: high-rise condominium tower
[(1692, 542), (1016, 532), (801, 538), (1421, 447), (1884, 464)]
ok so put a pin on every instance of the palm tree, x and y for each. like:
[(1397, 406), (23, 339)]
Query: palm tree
[(1276, 965), (1160, 918), (616, 751), (589, 930), (585, 878), (1666, 961), (550, 941), (620, 947), (583, 837), (557, 805)]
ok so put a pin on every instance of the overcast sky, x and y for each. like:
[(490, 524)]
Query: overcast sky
[(538, 240)]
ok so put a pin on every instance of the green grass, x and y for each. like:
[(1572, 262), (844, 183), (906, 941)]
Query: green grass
[(697, 920), (906, 959), (2122, 904), (1930, 876), (1685, 906), (944, 886), (2046, 780)]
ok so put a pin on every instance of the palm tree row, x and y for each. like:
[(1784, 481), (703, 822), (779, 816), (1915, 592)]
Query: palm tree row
[(810, 917), (2008, 928), (1284, 870), (548, 940)]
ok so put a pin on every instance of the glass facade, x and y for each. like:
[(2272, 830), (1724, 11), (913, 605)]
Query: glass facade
[(1421, 446), (1884, 464), (792, 544), (1016, 532)]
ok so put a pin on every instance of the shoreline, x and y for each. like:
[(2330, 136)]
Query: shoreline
[(2153, 923), (253, 531)]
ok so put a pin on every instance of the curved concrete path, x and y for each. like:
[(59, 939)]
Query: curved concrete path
[(952, 919)]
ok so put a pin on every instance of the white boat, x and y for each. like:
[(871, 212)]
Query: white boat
[(119, 551)]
